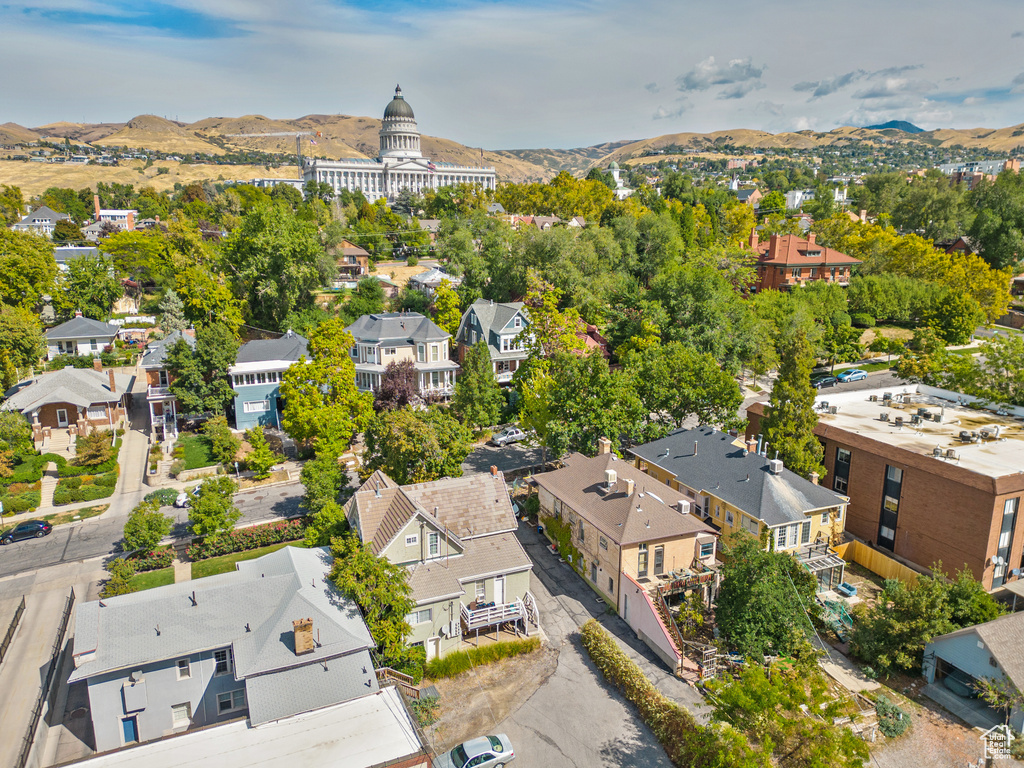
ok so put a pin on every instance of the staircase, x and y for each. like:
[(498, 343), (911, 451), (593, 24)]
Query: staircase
[(47, 485), (59, 442), (838, 618)]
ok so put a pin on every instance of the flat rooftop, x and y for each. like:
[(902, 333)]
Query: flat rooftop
[(942, 416), (365, 732)]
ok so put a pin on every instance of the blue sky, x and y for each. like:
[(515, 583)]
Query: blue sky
[(521, 74)]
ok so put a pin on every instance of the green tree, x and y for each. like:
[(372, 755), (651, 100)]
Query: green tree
[(207, 299), (93, 449), (924, 358), (21, 336), (66, 232), (416, 446), (145, 527), (172, 313), (321, 398), (87, 286), (969, 603), (788, 423), (998, 226), (536, 410), (212, 513), (120, 581), (199, 377), (223, 443), (766, 602), (12, 205), (136, 254), (955, 317), (381, 590), (367, 299), (478, 398), (1001, 377), (260, 459), (15, 433), (277, 262), (27, 268), (324, 477), (773, 202), (447, 314)]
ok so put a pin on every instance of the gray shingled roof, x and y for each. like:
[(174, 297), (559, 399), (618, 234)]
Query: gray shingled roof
[(76, 386), (482, 557), (1002, 638), (398, 327), (434, 277), (266, 594), (42, 212), (720, 466), (492, 318), (156, 351), (290, 347), (82, 328), (649, 513)]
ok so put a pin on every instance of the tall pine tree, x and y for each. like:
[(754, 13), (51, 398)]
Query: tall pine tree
[(478, 398), (788, 424)]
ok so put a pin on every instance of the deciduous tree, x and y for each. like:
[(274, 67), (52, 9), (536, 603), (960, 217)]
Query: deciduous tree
[(212, 512), (416, 446), (145, 527), (399, 386)]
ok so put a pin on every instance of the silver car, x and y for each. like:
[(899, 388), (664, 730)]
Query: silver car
[(508, 435), (484, 752)]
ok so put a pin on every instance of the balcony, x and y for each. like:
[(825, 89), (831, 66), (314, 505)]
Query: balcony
[(158, 393), (504, 377), (493, 615)]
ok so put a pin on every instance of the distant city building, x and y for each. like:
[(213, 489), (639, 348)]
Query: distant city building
[(400, 164), (973, 173), (621, 190)]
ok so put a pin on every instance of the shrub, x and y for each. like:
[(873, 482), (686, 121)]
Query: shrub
[(108, 480), (425, 709), (461, 661), (166, 496), (223, 443), (177, 467), (93, 449), (70, 482), (152, 561), (248, 538), (862, 320), (23, 502), (119, 583), (153, 466), (892, 721), (412, 261)]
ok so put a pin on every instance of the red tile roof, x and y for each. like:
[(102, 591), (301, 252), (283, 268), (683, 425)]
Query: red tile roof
[(793, 251)]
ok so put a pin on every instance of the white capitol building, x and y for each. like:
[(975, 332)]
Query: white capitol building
[(399, 165)]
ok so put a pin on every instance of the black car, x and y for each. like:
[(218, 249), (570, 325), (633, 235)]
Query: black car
[(30, 529), (822, 380)]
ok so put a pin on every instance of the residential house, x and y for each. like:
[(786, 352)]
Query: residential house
[(456, 538), (429, 281), (751, 197), (592, 339), (123, 219), (432, 226), (785, 261), (78, 399), (80, 336), (390, 337), (990, 650), (733, 487), (930, 475), (269, 641), (961, 245), (353, 263), (577, 222), (64, 254), (503, 328), (41, 221), (256, 376), (163, 406)]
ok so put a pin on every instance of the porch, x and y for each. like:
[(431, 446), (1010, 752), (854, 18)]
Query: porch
[(823, 562), (517, 618), (163, 413)]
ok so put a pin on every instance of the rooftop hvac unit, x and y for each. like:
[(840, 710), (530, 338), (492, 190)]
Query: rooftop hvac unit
[(991, 431), (898, 421), (886, 396), (883, 416), (833, 409), (922, 411), (873, 398), (775, 466), (915, 419), (936, 452), (823, 405), (950, 453)]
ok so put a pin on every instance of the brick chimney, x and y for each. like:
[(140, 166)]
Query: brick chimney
[(630, 485), (753, 241), (78, 313), (96, 206), (494, 471), (813, 478), (97, 364), (810, 238), (303, 632), (604, 446), (863, 215), (110, 374)]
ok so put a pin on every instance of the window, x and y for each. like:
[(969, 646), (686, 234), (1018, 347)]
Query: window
[(229, 701), (780, 538), (641, 561), (839, 484), (795, 272), (163, 378), (181, 715), (97, 413), (222, 662), (839, 514), (184, 669), (558, 508), (434, 353), (593, 572), (481, 590), (887, 533), (611, 585), (707, 549), (255, 406), (805, 532), (728, 516), (579, 530), (843, 455), (433, 544), (422, 616), (389, 351), (894, 473), (891, 504), (603, 543), (659, 560), (517, 322), (824, 517), (412, 541), (421, 353)]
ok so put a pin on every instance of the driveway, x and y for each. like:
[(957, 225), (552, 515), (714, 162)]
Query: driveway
[(575, 718), (510, 458)]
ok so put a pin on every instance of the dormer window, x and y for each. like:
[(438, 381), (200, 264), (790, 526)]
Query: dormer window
[(517, 322)]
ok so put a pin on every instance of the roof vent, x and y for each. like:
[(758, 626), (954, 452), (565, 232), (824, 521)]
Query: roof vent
[(775, 466)]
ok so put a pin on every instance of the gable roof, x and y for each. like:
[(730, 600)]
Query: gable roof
[(289, 348), (82, 328), (492, 317), (76, 386), (649, 513), (398, 327), (1002, 638), (42, 212), (156, 351), (720, 466), (790, 250)]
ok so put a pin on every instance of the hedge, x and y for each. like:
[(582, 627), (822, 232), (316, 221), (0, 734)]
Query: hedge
[(152, 561), (686, 742), (89, 492), (456, 663), (165, 496), (248, 538), (862, 320), (22, 502)]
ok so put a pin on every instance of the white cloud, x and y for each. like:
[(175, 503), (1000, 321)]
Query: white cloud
[(681, 105), (708, 73)]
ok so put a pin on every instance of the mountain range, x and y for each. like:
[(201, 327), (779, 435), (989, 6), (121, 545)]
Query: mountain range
[(348, 136)]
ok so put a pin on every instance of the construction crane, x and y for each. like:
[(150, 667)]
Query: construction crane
[(298, 140)]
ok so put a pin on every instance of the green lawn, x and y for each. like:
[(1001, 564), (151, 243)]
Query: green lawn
[(197, 451), (226, 563), (158, 578)]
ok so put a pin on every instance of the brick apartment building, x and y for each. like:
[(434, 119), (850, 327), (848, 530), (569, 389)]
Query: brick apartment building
[(785, 261), (928, 478)]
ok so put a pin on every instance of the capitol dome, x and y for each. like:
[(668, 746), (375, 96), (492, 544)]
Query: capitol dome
[(399, 107)]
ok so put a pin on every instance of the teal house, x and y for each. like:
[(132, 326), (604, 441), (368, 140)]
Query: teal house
[(256, 377)]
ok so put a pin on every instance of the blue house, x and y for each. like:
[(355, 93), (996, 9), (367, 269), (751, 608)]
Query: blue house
[(256, 376)]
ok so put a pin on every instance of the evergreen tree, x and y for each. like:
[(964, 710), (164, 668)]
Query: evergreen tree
[(172, 310), (788, 424), (478, 398)]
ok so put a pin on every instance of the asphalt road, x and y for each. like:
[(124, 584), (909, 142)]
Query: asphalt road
[(99, 536), (509, 458)]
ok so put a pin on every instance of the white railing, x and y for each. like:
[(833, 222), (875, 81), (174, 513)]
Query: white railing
[(488, 617), (157, 392), (504, 377), (532, 612)]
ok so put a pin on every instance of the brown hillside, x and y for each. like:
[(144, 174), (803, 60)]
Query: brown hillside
[(85, 132), (157, 133), (12, 133)]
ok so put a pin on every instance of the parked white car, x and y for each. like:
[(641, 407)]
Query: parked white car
[(508, 435), (484, 752), (185, 497)]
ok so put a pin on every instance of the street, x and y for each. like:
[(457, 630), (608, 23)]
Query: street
[(99, 536)]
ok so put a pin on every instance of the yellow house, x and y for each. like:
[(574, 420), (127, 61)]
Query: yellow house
[(733, 487)]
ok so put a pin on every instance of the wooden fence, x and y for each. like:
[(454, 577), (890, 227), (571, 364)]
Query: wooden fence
[(876, 561)]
